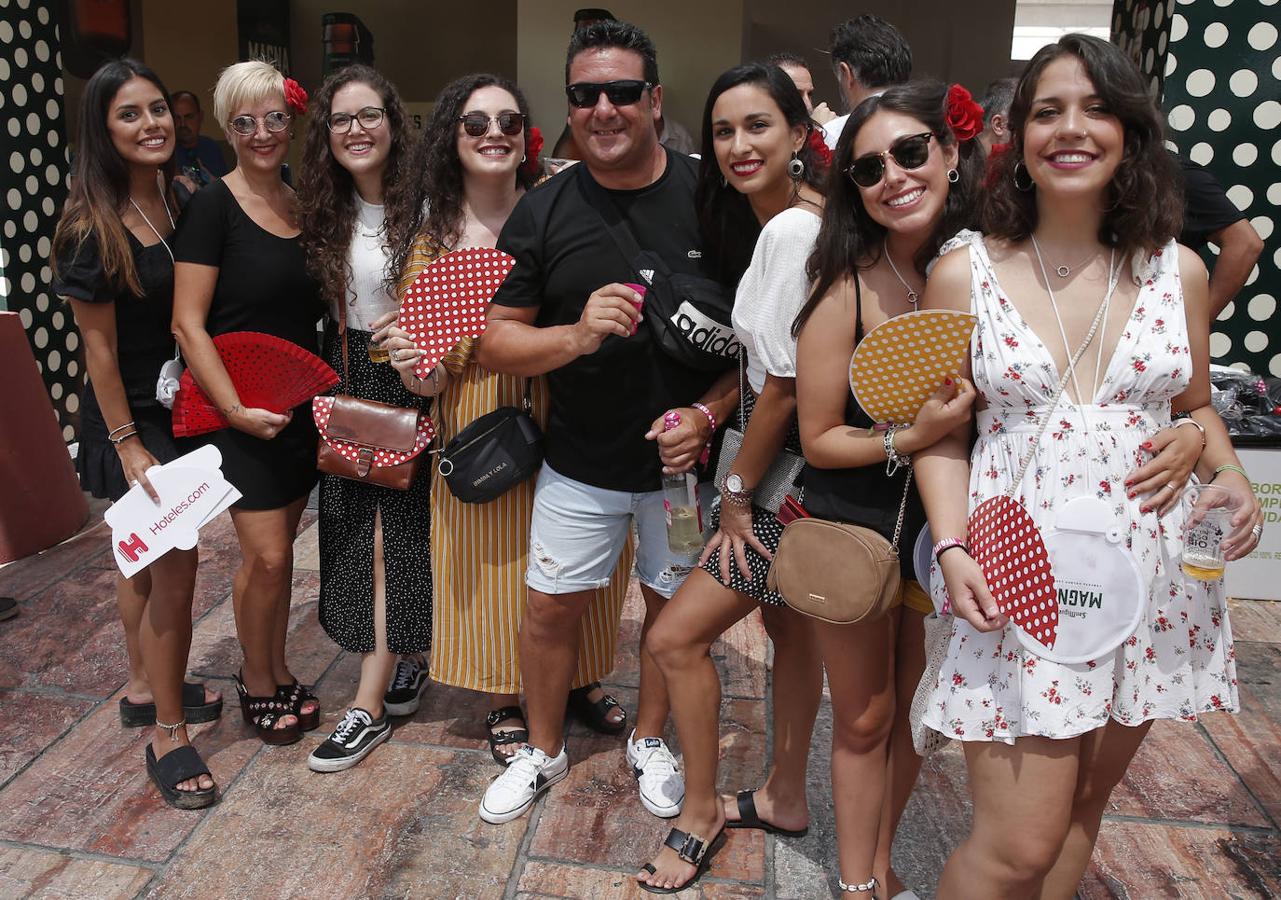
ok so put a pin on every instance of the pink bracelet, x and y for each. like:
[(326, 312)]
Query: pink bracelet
[(711, 420)]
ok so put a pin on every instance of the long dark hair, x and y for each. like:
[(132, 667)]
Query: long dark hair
[(326, 191), (728, 225), (1145, 202), (100, 180), (439, 170), (849, 238)]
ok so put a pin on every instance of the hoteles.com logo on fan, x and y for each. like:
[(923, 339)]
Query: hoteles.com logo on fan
[(704, 333)]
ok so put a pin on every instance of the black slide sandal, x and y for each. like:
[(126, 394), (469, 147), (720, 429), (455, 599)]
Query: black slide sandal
[(178, 766), (594, 715), (194, 708), (691, 849), (748, 818), (497, 717)]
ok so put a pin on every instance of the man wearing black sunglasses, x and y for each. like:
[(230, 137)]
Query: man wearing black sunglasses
[(567, 310)]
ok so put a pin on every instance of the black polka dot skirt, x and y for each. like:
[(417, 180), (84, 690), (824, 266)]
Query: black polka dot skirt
[(768, 531), (347, 512)]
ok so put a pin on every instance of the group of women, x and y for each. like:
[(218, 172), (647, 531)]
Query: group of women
[(821, 251)]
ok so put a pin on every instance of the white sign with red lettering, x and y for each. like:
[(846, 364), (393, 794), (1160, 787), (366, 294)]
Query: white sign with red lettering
[(192, 492)]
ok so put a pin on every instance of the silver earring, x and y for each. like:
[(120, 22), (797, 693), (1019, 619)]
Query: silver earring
[(1023, 186), (795, 167), (522, 158), (953, 176), (724, 181)]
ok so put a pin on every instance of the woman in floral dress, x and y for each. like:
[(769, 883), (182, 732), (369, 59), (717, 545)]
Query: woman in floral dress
[(1083, 208)]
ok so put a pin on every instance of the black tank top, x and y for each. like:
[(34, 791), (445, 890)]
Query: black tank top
[(865, 495)]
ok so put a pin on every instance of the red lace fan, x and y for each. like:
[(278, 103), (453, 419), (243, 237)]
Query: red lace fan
[(447, 301), (268, 373)]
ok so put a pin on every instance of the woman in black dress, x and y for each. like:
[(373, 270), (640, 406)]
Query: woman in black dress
[(241, 268), (357, 203), (112, 262)]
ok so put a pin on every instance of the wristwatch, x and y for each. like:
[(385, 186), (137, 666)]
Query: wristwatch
[(734, 492)]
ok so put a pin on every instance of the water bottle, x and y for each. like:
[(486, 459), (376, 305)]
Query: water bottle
[(680, 502)]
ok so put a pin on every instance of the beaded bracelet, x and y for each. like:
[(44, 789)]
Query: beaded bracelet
[(1230, 467), (711, 421), (894, 459)]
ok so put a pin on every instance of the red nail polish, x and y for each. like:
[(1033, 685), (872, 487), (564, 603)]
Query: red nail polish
[(1145, 509), (1146, 445), (947, 381), (1132, 494)]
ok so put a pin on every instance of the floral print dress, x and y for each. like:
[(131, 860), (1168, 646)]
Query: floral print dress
[(1179, 662)]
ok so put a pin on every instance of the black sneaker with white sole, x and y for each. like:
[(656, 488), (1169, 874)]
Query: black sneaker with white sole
[(357, 734), (407, 685)]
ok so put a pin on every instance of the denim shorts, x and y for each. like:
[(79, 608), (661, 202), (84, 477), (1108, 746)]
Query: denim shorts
[(578, 531)]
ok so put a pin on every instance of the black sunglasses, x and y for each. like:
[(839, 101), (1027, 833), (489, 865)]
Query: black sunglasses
[(476, 124), (910, 152), (585, 94)]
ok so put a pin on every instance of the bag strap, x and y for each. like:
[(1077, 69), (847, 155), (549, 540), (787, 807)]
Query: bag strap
[(902, 511), (615, 224)]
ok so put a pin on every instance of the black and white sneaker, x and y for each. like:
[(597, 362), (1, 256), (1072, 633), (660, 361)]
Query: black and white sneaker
[(407, 686), (357, 734), (530, 772)]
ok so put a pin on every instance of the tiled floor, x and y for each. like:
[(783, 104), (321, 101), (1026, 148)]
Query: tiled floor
[(1197, 816)]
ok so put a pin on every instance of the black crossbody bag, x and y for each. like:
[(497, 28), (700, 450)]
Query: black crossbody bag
[(494, 453)]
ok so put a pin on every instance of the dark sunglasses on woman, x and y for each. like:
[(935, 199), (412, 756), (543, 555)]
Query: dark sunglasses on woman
[(585, 94), (476, 124), (909, 152)]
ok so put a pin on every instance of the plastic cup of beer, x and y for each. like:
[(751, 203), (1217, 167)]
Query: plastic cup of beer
[(378, 353), (1208, 511)]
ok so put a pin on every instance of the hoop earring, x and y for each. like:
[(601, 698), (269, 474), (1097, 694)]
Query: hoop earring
[(1024, 187), (522, 159), (953, 176), (795, 167), (724, 181)]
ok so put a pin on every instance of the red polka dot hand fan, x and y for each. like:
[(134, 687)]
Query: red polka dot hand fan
[(448, 299), (268, 373), (1007, 545), (321, 407)]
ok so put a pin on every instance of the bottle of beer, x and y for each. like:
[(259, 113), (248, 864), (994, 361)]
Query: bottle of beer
[(680, 501)]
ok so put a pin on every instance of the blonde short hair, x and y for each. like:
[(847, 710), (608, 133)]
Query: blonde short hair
[(244, 84)]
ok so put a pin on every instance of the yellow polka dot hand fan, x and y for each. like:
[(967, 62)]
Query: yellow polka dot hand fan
[(900, 363)]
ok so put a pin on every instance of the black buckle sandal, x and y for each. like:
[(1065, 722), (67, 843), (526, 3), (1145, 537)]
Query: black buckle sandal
[(179, 765), (691, 849), (296, 695), (595, 715), (505, 738), (264, 712)]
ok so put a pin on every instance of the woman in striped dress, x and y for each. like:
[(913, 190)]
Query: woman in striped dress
[(473, 160)]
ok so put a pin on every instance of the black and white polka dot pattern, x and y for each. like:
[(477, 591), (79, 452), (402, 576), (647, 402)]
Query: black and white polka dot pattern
[(33, 185), (767, 530)]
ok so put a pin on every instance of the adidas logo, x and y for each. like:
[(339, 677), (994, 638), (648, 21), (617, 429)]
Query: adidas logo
[(705, 333), (648, 275)]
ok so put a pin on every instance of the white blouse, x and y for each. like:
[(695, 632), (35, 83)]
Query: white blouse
[(367, 262), (771, 293)]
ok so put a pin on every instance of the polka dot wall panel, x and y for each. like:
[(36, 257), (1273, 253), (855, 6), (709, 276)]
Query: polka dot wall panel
[(1218, 70), (33, 179)]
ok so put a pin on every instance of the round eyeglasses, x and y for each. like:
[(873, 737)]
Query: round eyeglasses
[(369, 118), (275, 122)]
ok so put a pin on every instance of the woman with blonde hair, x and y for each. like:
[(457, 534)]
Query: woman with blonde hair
[(240, 267)]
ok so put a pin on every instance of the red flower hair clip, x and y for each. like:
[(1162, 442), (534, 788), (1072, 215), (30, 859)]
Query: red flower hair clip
[(295, 96), (819, 147), (533, 147), (963, 115)]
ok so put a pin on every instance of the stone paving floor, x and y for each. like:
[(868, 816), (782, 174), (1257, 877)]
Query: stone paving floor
[(1196, 817)]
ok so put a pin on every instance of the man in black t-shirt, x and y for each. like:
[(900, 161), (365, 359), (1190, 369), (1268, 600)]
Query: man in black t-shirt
[(566, 310), (1210, 217)]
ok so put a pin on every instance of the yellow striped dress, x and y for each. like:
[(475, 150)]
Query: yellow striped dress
[(479, 551)]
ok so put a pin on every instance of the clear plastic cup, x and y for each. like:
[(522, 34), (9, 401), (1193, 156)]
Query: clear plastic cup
[(1208, 511)]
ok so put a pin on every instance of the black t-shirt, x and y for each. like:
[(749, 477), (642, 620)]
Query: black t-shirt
[(144, 340), (1206, 207), (263, 284), (602, 404)]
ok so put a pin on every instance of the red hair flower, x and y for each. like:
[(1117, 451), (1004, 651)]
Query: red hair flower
[(819, 147), (963, 115), (533, 147), (295, 96)]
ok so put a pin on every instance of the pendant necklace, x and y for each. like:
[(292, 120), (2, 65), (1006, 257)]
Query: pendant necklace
[(1065, 271), (912, 296)]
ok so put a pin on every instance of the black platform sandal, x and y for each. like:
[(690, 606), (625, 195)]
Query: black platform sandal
[(175, 767), (749, 818), (691, 849), (497, 717), (296, 695), (194, 708), (595, 714), (262, 713)]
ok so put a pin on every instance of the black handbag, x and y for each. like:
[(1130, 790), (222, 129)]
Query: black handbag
[(493, 454), (689, 315)]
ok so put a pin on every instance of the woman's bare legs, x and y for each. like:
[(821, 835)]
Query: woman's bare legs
[(700, 612), (376, 667)]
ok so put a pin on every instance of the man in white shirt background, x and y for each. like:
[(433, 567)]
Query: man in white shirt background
[(868, 55)]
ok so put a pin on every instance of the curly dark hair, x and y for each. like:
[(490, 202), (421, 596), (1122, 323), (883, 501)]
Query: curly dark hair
[(1145, 204), (729, 227), (440, 172), (327, 193), (849, 238)]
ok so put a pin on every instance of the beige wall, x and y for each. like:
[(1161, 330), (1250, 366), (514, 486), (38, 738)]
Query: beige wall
[(187, 50), (696, 41)]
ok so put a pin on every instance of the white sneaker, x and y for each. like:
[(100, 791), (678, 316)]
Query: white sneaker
[(530, 772), (662, 789)]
